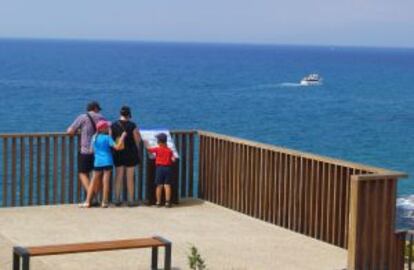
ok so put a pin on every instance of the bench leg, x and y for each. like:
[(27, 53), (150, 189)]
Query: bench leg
[(154, 258), (16, 261), (167, 259), (26, 261)]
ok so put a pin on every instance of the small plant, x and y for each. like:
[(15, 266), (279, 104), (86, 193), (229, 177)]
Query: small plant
[(407, 251), (195, 262)]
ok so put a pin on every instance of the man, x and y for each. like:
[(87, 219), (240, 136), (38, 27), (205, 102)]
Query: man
[(86, 123)]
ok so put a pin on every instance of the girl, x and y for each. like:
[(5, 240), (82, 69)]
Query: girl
[(102, 143)]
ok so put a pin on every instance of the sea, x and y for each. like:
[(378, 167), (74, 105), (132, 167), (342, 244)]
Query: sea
[(362, 112)]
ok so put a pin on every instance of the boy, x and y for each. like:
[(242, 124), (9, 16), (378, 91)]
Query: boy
[(164, 157)]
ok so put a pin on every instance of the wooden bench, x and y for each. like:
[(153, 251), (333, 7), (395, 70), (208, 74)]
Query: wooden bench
[(24, 253)]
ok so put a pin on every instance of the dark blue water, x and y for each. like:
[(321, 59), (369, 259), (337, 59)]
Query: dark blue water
[(363, 111)]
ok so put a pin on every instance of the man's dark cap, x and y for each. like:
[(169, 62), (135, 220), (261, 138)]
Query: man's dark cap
[(93, 105), (162, 137)]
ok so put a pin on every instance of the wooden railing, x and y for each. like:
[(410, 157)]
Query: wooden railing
[(404, 258), (408, 248), (342, 203), (41, 168), (38, 169), (403, 244)]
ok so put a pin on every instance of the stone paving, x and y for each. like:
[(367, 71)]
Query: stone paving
[(226, 239)]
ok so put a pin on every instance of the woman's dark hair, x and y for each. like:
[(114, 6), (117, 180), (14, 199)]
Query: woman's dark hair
[(126, 111)]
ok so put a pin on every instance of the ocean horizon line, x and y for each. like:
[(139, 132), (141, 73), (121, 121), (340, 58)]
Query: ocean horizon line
[(210, 43)]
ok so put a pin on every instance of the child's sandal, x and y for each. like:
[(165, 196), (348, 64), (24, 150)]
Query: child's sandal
[(104, 205), (84, 205), (158, 204), (168, 204)]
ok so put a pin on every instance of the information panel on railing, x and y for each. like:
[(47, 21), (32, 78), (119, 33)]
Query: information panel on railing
[(149, 136)]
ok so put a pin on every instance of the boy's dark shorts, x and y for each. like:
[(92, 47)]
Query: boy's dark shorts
[(85, 163), (103, 168), (163, 175)]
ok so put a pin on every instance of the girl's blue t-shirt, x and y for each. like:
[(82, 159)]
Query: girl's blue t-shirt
[(102, 146)]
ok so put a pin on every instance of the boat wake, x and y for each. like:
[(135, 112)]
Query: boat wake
[(274, 86), (271, 86), (290, 84)]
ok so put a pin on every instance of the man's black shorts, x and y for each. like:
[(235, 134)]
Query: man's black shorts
[(163, 175), (85, 163)]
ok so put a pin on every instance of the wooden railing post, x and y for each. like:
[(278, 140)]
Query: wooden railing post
[(400, 242), (371, 235)]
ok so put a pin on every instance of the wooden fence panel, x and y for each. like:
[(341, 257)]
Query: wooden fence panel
[(71, 169), (41, 168), (38, 170), (22, 175), (302, 192), (191, 138), (5, 172), (202, 169), (31, 170), (183, 168), (14, 176)]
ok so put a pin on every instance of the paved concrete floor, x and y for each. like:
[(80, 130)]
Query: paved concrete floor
[(226, 239)]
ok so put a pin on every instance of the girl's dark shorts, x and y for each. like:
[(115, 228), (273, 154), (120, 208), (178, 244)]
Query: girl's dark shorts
[(163, 175), (103, 168)]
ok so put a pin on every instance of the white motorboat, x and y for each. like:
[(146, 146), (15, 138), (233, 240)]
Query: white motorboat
[(311, 79)]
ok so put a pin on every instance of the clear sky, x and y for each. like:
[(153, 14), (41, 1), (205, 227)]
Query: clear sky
[(318, 22)]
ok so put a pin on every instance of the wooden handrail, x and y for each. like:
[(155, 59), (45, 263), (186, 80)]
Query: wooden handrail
[(265, 146), (34, 135), (390, 175), (51, 134)]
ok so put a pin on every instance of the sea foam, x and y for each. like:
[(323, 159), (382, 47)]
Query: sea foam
[(406, 206)]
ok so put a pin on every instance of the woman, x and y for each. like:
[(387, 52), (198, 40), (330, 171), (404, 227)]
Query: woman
[(128, 158)]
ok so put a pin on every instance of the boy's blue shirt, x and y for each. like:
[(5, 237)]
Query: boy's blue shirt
[(102, 146)]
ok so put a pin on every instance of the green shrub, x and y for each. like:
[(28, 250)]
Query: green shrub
[(195, 262), (407, 250)]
